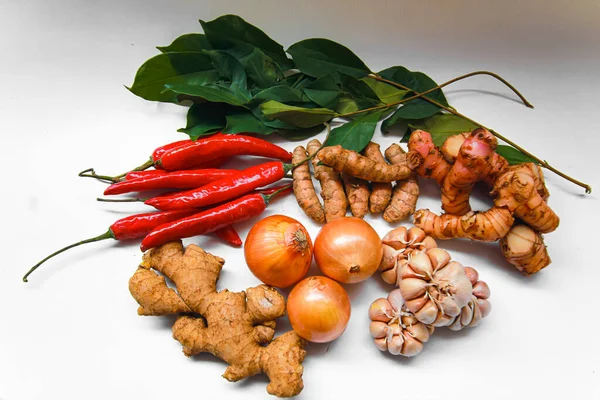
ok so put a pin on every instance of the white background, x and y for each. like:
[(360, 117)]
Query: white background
[(73, 331)]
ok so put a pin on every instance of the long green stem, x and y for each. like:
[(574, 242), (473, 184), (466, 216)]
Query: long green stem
[(543, 163), (451, 81), (90, 173), (106, 235)]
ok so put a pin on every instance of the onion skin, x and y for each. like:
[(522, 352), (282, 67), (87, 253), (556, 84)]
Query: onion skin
[(278, 251), (318, 309), (348, 250)]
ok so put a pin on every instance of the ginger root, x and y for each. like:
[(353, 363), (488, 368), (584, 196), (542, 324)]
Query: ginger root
[(434, 166), (357, 192), (334, 197), (303, 187), (352, 163), (405, 192), (524, 248), (237, 327), (381, 192)]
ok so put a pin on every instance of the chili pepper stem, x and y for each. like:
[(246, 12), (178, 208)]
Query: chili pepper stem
[(289, 167), (106, 235), (90, 173), (136, 200), (269, 197)]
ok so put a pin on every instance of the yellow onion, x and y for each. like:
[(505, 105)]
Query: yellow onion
[(318, 309), (278, 251), (348, 250)]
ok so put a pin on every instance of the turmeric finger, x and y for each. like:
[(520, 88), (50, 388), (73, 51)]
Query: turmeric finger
[(406, 192), (524, 248), (303, 187), (335, 202), (517, 190), (357, 192), (352, 163), (487, 226), (434, 166), (452, 145), (381, 192)]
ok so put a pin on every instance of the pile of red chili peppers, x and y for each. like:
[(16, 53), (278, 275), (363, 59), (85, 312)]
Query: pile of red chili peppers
[(209, 199)]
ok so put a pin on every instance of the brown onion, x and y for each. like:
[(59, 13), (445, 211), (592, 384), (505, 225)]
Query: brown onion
[(318, 309), (348, 250), (278, 251)]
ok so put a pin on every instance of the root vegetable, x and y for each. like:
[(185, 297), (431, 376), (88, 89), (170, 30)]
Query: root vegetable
[(524, 248), (395, 329), (435, 288), (405, 193), (361, 167), (478, 307), (381, 192), (451, 146), (471, 165), (434, 166), (237, 327), (357, 192), (304, 190), (487, 226), (335, 202), (517, 190)]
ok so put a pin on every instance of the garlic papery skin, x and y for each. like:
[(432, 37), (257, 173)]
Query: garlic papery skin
[(478, 306), (435, 288), (395, 329)]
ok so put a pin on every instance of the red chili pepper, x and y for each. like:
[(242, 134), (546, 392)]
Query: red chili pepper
[(186, 179), (210, 220), (220, 145), (223, 189), (230, 235), (144, 174), (159, 151)]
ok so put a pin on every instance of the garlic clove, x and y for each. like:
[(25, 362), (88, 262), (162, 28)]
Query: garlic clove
[(429, 243), (388, 260), (395, 329), (390, 276), (378, 329), (396, 300), (472, 275), (420, 265), (427, 314), (395, 345), (439, 258), (396, 238), (453, 274), (416, 304), (411, 347), (381, 344), (449, 306), (418, 331), (481, 290), (381, 310), (484, 306), (415, 235), (412, 288)]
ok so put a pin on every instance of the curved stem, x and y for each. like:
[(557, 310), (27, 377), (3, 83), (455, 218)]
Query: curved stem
[(451, 81), (106, 235), (543, 163), (290, 167), (90, 173)]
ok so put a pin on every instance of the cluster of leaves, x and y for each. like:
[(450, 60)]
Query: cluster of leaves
[(238, 79)]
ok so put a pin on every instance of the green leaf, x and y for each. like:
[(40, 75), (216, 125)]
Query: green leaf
[(261, 69), (301, 134), (417, 108), (204, 119), (356, 134), (357, 95), (387, 93), (241, 120), (318, 57), (324, 91), (215, 92), (172, 68), (296, 116), (513, 156), (231, 69), (282, 94), (229, 31), (186, 43), (442, 126)]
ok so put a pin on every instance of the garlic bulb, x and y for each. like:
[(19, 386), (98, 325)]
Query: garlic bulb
[(478, 307), (395, 329), (435, 288), (398, 245)]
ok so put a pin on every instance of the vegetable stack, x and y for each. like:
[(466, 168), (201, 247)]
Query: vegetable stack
[(215, 199)]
